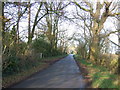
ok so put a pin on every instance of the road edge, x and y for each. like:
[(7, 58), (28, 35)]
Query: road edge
[(34, 73), (84, 73)]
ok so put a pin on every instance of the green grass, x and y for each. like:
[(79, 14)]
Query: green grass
[(101, 77)]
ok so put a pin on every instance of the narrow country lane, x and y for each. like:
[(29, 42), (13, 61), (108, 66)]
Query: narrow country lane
[(63, 74)]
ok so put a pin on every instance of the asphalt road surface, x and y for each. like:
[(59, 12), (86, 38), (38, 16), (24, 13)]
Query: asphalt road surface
[(62, 74)]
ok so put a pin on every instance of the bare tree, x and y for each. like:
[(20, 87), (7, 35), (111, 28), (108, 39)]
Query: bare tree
[(35, 22), (55, 12), (99, 18)]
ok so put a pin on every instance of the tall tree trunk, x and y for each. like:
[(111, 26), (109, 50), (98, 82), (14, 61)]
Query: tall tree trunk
[(17, 37), (55, 31), (49, 31), (97, 27), (29, 29), (118, 27), (1, 30), (95, 51), (31, 35), (3, 23)]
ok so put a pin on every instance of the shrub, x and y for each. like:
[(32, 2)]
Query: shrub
[(13, 66), (110, 61), (41, 46)]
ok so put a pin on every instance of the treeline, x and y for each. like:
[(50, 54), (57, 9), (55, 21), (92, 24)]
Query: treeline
[(42, 36), (94, 43), (19, 57)]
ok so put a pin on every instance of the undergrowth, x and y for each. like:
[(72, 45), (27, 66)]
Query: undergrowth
[(8, 80), (101, 77)]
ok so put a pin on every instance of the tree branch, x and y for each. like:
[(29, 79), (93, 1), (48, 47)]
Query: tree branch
[(103, 36), (114, 43), (88, 10), (114, 14)]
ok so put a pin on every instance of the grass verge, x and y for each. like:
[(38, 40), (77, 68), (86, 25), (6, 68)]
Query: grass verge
[(99, 76), (44, 63)]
